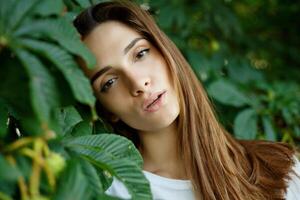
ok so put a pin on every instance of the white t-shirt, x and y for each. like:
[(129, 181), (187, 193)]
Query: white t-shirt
[(172, 189)]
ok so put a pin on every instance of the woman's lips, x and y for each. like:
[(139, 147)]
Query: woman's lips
[(154, 102)]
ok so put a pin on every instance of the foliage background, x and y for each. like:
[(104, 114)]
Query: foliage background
[(246, 53)]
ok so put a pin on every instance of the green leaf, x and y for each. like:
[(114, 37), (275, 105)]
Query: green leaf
[(82, 128), (124, 170), (42, 87), (21, 10), (66, 35), (79, 84), (105, 178), (8, 172), (62, 31), (268, 128), (118, 156), (5, 8), (241, 71), (245, 124), (115, 145), (46, 8), (92, 177), (226, 93), (72, 184), (67, 118), (13, 75), (83, 3)]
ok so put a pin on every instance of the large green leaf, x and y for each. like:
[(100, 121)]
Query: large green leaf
[(5, 9), (84, 3), (49, 7), (114, 145), (82, 128), (61, 31), (116, 155), (79, 84), (66, 35), (15, 90), (92, 177), (67, 118), (245, 124), (105, 178), (124, 170), (43, 93), (226, 93), (20, 11)]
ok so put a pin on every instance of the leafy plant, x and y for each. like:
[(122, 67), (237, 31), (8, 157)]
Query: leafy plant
[(51, 146)]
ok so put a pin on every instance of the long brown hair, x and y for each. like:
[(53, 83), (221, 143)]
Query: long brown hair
[(219, 166)]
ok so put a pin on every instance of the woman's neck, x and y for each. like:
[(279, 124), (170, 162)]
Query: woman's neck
[(159, 150)]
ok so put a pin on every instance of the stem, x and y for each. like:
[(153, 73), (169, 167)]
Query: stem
[(50, 176), (18, 143), (94, 113), (48, 171), (21, 182), (34, 181), (23, 188), (32, 154)]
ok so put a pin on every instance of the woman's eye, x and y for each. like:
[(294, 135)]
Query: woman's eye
[(108, 84), (141, 54)]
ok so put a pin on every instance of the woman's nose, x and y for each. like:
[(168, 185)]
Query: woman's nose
[(138, 83), (140, 88)]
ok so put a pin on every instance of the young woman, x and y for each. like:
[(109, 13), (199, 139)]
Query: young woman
[(148, 92)]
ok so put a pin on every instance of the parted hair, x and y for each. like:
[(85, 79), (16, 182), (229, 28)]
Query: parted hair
[(219, 166)]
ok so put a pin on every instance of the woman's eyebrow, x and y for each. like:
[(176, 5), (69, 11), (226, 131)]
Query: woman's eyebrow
[(99, 73), (105, 69), (131, 44)]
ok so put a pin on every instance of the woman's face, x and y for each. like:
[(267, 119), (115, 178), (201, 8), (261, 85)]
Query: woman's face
[(132, 80)]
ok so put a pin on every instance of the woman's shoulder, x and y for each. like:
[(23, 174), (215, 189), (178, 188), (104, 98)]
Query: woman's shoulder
[(293, 189), (161, 188)]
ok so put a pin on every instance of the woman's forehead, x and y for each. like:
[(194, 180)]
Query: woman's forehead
[(109, 41), (109, 35)]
